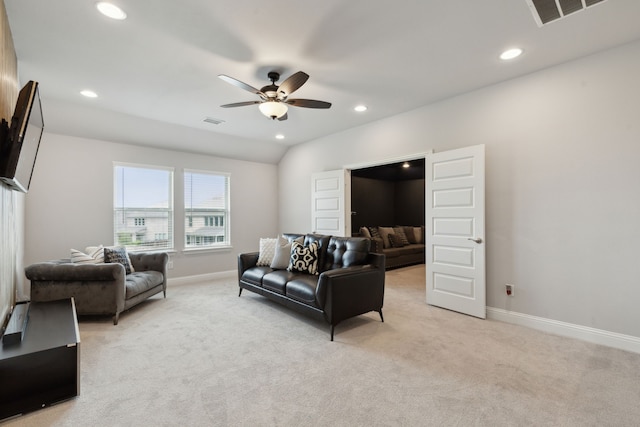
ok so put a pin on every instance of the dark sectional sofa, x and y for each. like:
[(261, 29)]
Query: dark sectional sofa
[(405, 248), (350, 279)]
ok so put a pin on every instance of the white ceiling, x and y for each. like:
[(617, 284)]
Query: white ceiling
[(156, 72)]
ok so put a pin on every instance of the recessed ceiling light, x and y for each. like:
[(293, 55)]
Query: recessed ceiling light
[(406, 165), (279, 136), (511, 54), (89, 93), (360, 108), (111, 10)]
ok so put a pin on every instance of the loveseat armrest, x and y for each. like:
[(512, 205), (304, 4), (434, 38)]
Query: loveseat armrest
[(246, 261), (150, 261), (63, 271), (378, 260), (96, 288), (351, 291), (377, 245)]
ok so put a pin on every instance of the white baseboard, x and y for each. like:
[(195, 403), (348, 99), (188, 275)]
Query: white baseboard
[(592, 335), (187, 280)]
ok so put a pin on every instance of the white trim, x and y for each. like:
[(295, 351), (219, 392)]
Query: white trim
[(188, 280), (143, 166), (196, 249), (388, 161), (584, 333)]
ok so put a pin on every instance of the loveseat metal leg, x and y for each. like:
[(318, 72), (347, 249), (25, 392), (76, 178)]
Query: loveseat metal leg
[(332, 327), (240, 293), (381, 318)]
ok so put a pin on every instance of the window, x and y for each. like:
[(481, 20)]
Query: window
[(143, 207), (212, 221), (206, 204)]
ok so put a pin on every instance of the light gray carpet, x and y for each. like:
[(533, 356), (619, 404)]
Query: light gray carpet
[(204, 357)]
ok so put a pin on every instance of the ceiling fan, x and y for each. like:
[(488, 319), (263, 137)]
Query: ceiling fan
[(274, 100)]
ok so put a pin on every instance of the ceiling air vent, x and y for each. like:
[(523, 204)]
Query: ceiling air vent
[(545, 11), (213, 121)]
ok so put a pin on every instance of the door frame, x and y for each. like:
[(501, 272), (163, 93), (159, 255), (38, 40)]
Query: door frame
[(386, 161), (417, 156), (423, 155)]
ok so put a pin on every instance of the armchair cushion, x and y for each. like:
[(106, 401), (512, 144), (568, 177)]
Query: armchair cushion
[(139, 282)]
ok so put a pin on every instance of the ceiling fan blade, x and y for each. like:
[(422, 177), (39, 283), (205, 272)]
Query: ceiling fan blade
[(283, 117), (240, 104), (293, 83), (308, 103), (241, 85)]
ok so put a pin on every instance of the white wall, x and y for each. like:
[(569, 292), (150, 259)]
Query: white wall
[(70, 202), (562, 177)]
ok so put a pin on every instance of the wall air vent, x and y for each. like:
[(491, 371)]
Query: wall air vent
[(213, 121), (545, 11)]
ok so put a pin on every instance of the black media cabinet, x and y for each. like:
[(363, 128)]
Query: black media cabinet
[(44, 367)]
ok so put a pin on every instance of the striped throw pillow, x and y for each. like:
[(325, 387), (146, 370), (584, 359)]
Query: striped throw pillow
[(93, 256)]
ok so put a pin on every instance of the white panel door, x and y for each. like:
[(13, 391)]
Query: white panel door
[(330, 203), (454, 236)]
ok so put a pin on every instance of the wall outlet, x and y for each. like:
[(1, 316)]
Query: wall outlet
[(509, 289), (170, 265)]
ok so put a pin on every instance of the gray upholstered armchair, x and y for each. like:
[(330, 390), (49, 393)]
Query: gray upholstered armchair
[(100, 288)]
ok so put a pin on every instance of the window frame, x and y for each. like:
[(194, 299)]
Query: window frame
[(209, 219), (171, 230)]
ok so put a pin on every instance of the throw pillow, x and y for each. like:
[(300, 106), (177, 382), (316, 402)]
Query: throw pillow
[(411, 236), (397, 241), (399, 231), (118, 255), (91, 257), (304, 259), (375, 233), (99, 250), (364, 232), (282, 255), (418, 232), (267, 251), (384, 233)]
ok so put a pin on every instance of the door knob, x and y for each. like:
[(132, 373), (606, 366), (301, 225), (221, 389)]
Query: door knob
[(478, 240)]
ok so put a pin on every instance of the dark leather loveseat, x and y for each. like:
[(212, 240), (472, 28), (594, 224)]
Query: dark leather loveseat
[(350, 280)]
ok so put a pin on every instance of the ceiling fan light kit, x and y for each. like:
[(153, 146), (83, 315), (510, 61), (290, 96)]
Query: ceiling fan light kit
[(273, 109), (274, 100)]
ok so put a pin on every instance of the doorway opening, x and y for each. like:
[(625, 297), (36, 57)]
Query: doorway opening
[(388, 207), (388, 195)]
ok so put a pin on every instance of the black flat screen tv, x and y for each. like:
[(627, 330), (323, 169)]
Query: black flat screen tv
[(21, 143)]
